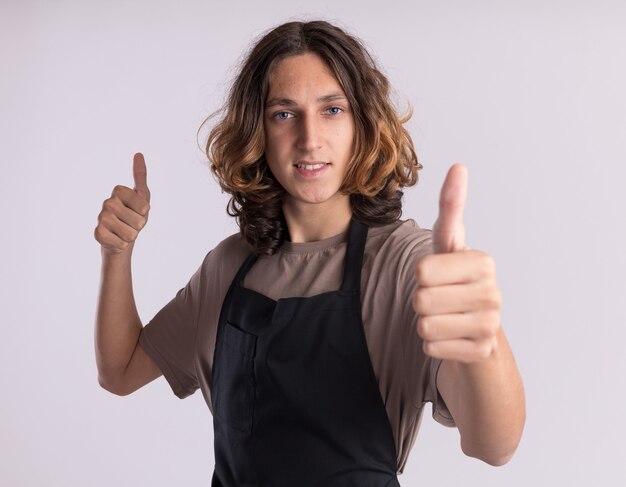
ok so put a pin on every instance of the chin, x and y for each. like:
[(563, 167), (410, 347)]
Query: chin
[(317, 198), (312, 201)]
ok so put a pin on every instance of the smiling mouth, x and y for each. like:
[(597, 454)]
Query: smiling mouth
[(311, 167)]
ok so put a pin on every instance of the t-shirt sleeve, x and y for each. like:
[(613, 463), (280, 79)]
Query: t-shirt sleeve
[(421, 368), (170, 337), (441, 413)]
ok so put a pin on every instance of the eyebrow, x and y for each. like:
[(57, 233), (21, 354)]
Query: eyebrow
[(287, 102)]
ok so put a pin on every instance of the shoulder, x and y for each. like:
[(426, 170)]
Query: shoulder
[(233, 246), (224, 260), (391, 254), (399, 241)]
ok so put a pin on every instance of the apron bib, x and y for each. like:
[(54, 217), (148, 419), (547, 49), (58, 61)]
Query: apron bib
[(295, 399)]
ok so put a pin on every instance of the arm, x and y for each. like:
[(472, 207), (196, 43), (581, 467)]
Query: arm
[(486, 400), (122, 364), (458, 301)]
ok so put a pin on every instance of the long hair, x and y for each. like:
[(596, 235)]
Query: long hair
[(383, 159)]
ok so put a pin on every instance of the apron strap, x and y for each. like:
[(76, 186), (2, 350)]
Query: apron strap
[(245, 267), (357, 236)]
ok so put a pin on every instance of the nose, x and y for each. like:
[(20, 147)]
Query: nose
[(309, 133)]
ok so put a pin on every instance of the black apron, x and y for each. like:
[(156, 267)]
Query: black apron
[(295, 399)]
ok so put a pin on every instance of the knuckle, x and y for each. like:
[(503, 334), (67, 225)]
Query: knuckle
[(489, 326), (495, 298), (482, 328), (498, 298), (485, 264), (111, 205), (483, 349), (105, 218), (488, 264), (423, 327), (491, 297), (494, 324), (423, 268), (107, 204), (421, 300)]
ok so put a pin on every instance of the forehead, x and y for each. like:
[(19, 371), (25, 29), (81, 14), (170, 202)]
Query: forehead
[(301, 75)]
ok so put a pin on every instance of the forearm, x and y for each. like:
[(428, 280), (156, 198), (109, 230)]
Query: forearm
[(117, 324), (486, 400)]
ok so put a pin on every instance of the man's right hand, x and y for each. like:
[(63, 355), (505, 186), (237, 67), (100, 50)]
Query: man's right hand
[(125, 213)]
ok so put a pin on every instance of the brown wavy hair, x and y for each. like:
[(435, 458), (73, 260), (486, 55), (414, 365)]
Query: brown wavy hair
[(383, 159)]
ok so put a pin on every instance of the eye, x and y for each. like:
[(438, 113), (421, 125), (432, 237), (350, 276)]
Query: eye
[(335, 110), (282, 115)]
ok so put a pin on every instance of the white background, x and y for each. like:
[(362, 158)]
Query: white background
[(530, 95)]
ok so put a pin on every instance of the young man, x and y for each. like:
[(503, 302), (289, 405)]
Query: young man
[(318, 333)]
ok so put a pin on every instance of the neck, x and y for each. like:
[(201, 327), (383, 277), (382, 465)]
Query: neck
[(311, 222)]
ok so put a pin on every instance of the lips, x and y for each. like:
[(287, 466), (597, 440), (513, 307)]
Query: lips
[(311, 168), (310, 164)]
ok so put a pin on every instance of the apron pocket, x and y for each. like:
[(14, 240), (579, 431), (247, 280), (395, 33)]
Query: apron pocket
[(234, 377)]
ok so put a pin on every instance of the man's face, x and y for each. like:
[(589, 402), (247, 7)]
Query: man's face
[(309, 130)]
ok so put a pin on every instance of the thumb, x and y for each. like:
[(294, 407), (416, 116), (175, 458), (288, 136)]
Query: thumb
[(449, 230), (140, 175)]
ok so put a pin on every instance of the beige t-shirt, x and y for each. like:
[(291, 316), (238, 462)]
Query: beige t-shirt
[(181, 336)]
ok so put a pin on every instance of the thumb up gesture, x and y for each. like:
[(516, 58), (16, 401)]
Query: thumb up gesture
[(457, 296), (125, 213)]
